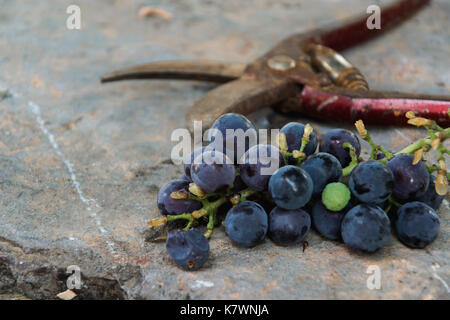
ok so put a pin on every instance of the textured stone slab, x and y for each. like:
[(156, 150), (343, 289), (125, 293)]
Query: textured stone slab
[(81, 163)]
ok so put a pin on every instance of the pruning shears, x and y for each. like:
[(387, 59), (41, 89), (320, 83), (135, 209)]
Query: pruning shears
[(303, 73)]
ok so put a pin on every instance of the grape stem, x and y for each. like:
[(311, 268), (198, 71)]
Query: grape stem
[(184, 216), (244, 194), (394, 203), (305, 139), (375, 147), (388, 207), (211, 209), (424, 142), (208, 209), (435, 140), (286, 155), (348, 169)]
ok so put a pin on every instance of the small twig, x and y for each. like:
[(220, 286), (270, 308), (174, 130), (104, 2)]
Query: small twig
[(148, 11), (347, 170), (375, 147), (392, 202)]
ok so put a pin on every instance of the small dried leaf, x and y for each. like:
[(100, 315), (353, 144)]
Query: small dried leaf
[(307, 131), (361, 128), (297, 154), (442, 165), (410, 115), (282, 142), (418, 156), (441, 183), (419, 122), (67, 295), (208, 234), (235, 199), (199, 213), (157, 222), (179, 195), (435, 143), (148, 11), (196, 190)]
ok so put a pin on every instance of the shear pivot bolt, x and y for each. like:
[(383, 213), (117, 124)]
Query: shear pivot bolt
[(281, 63)]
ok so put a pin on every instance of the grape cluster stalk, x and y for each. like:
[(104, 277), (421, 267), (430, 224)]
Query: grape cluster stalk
[(335, 191)]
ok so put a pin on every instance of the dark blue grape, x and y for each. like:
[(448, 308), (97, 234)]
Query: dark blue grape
[(417, 224), (258, 164), (294, 135), (189, 249), (332, 142), (323, 168), (371, 182), (365, 228), (288, 227), (327, 222), (228, 143), (246, 224), (430, 197), (410, 180), (167, 205), (213, 172), (187, 165), (291, 187)]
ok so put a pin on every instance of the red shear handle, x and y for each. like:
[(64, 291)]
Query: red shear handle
[(383, 111)]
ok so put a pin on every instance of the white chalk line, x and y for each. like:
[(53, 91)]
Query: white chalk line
[(202, 284), (36, 110), (401, 134), (435, 267)]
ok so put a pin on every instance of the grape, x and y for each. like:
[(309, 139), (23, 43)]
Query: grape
[(213, 172), (333, 140), (294, 135), (290, 187), (194, 154), (288, 227), (336, 196), (417, 224), (220, 139), (365, 227), (410, 180), (246, 224), (430, 197), (371, 182), (167, 205), (189, 249), (327, 222), (258, 164), (323, 169)]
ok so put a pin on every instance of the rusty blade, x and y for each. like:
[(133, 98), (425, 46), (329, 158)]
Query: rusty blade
[(242, 96), (206, 70)]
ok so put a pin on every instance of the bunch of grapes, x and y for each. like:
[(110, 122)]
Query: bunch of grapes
[(344, 197)]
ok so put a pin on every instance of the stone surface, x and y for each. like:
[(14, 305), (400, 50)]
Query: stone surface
[(81, 162)]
